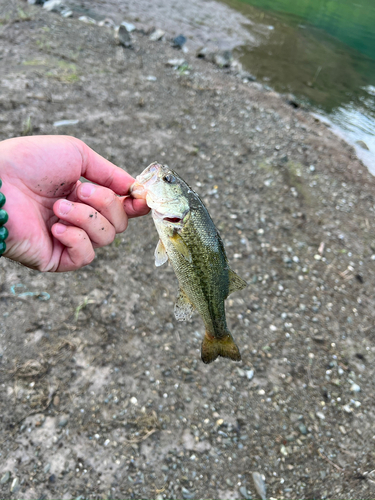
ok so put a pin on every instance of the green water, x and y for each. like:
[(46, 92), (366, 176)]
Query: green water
[(350, 21), (323, 52)]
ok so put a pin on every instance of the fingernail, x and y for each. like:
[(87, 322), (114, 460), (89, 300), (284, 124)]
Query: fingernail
[(87, 189), (60, 228), (65, 207)]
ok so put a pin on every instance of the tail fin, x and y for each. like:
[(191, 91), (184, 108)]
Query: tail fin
[(213, 347)]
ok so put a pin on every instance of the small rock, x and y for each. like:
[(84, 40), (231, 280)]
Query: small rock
[(342, 429), (241, 372), (203, 52), (53, 5), (186, 493), (63, 420), (245, 75), (302, 428), (249, 374), (107, 22), (245, 493), (5, 478), (260, 485), (128, 26), (179, 41), (87, 20), (347, 409), (363, 145), (52, 478), (46, 468), (63, 123), (320, 415), (123, 37), (176, 63), (67, 13), (151, 78), (283, 450), (15, 486), (355, 387), (156, 35), (223, 58)]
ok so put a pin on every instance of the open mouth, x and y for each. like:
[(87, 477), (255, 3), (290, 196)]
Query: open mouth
[(172, 219)]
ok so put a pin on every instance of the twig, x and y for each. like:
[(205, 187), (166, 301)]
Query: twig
[(330, 462)]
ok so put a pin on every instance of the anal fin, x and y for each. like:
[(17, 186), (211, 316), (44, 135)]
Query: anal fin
[(183, 308), (214, 347)]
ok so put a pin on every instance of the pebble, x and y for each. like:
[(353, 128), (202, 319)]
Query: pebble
[(320, 415), (355, 387), (64, 123), (363, 145), (5, 478), (87, 20), (156, 35), (245, 493), (15, 486), (260, 485), (151, 78), (128, 26), (302, 428), (63, 420), (249, 374), (67, 13), (53, 5), (176, 63), (186, 493), (179, 41), (283, 450), (122, 36), (109, 23), (46, 468)]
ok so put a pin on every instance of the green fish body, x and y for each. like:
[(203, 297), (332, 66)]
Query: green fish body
[(192, 244)]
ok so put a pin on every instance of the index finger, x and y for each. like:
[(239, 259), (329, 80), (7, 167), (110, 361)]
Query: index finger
[(97, 169)]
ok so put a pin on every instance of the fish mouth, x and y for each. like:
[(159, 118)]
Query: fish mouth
[(137, 190), (174, 220), (142, 182)]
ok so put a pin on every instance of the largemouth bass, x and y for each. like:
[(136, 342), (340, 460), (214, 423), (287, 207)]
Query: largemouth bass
[(191, 242)]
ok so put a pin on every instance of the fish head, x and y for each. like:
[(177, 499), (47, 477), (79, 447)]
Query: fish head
[(164, 192)]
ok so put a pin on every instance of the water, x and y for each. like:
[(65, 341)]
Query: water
[(323, 52)]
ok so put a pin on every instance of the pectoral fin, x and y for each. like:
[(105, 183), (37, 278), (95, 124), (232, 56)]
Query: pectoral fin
[(181, 247), (183, 308), (161, 256), (235, 282)]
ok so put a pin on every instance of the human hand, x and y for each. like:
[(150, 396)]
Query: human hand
[(55, 220)]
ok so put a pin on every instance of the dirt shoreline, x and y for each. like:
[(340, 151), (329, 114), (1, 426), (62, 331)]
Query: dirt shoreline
[(103, 394)]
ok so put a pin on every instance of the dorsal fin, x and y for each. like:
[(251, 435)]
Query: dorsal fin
[(235, 282)]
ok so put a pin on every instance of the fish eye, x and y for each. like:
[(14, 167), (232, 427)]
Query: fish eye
[(170, 179)]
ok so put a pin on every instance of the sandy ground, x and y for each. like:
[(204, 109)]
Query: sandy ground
[(103, 394)]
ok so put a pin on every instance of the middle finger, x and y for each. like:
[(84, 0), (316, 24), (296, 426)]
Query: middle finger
[(100, 231)]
